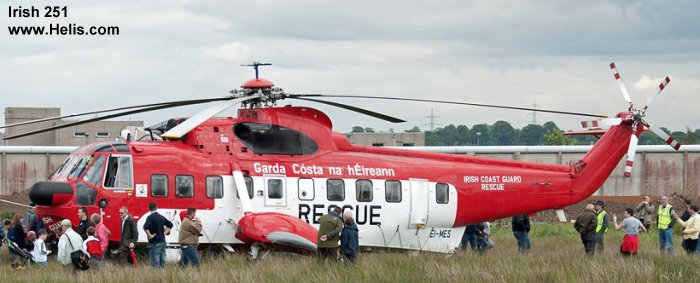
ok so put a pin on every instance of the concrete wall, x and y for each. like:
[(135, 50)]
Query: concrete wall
[(20, 168), (657, 170), (387, 139)]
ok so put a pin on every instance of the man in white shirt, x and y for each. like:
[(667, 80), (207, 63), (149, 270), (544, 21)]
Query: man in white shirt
[(69, 242)]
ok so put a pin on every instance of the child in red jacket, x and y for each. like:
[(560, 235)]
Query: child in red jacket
[(92, 247)]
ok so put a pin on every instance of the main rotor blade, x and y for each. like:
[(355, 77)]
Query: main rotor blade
[(356, 109), (192, 101), (631, 150), (662, 86), (199, 118), (147, 109), (623, 89), (447, 102)]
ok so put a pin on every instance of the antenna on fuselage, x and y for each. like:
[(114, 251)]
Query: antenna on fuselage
[(255, 66)]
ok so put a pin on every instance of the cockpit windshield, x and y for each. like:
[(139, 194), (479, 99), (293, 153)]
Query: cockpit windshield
[(68, 166), (80, 166), (94, 171), (61, 168)]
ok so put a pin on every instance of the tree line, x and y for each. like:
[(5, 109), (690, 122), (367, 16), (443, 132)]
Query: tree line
[(503, 133)]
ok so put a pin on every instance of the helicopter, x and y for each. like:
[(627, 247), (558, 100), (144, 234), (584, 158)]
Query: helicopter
[(263, 179)]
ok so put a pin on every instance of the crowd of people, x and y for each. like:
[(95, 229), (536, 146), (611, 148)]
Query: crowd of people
[(594, 222), (87, 246), (338, 239)]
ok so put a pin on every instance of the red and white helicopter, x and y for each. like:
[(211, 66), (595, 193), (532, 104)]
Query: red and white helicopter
[(266, 177)]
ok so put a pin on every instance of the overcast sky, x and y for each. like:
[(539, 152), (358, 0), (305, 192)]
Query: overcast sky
[(553, 53)]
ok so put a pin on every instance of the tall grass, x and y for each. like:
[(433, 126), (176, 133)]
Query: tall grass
[(556, 256)]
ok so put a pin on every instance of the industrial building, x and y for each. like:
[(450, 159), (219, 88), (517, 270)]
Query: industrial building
[(70, 136)]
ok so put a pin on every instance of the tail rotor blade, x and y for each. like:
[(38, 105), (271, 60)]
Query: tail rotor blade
[(199, 118), (661, 88), (623, 89), (668, 139), (630, 155), (600, 123)]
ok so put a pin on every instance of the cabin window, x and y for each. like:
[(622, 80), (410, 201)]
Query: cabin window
[(249, 186), (274, 188), (94, 172), (442, 195), (215, 187), (119, 172), (363, 190), (184, 186), (274, 139), (306, 189), (159, 185), (392, 191), (335, 190), (84, 195)]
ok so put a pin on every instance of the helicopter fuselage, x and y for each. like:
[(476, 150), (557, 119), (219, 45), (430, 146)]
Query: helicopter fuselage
[(294, 164)]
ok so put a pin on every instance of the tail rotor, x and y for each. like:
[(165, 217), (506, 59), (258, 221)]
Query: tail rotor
[(638, 124)]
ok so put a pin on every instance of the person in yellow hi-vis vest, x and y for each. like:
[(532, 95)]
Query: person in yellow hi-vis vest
[(665, 224), (602, 227)]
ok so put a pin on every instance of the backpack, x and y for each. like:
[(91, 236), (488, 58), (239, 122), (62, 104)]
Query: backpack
[(79, 259)]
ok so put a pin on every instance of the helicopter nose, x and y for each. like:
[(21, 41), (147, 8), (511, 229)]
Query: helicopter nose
[(50, 193)]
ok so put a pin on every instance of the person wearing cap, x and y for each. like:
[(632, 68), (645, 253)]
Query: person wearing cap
[(665, 224), (602, 227), (69, 242)]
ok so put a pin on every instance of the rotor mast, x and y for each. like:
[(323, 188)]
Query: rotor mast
[(255, 66)]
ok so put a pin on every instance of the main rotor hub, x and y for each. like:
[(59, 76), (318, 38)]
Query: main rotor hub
[(268, 93)]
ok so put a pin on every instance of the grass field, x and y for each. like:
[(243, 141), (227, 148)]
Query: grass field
[(556, 256)]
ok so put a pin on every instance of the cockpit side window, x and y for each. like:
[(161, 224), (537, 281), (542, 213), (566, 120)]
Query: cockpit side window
[(119, 173), (274, 139)]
